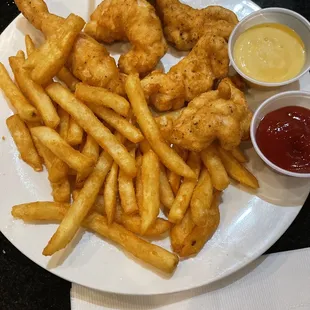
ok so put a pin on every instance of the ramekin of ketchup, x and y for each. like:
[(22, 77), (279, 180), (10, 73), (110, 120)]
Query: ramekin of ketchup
[(280, 133)]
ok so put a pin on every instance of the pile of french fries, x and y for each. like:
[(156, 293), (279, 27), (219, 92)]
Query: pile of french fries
[(109, 168)]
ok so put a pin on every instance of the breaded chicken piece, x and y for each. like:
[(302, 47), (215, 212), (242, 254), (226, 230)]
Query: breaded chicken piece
[(89, 61), (184, 25), (192, 76), (221, 115), (134, 21)]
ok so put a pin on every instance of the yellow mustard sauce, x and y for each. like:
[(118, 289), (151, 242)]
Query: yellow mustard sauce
[(270, 52)]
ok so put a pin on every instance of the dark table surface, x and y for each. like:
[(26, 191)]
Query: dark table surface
[(24, 285)]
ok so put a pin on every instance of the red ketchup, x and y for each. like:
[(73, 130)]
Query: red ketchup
[(283, 136)]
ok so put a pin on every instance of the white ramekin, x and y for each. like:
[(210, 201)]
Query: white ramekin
[(290, 98), (272, 15)]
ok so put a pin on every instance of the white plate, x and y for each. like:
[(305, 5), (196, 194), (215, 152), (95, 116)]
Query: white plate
[(250, 222)]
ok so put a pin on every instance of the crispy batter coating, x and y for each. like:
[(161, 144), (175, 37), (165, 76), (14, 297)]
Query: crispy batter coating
[(221, 115), (184, 25), (89, 61), (192, 76), (134, 21)]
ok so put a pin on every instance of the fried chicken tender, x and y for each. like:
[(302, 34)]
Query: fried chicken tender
[(192, 76), (134, 21), (89, 61), (221, 115), (184, 25)]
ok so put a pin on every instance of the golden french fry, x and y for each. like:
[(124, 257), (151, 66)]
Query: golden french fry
[(102, 97), (63, 128), (133, 224), (75, 133), (236, 170), (40, 211), (165, 191), (138, 183), (150, 181), (150, 130), (34, 92), (202, 199), (127, 191), (180, 231), (22, 106), (98, 206), (195, 241), (144, 146), (110, 193), (88, 121), (91, 150), (73, 158), (213, 163), (61, 191), (23, 141), (184, 195), (239, 155), (50, 57), (175, 179), (20, 55), (80, 207), (65, 76), (118, 122), (147, 252), (30, 47)]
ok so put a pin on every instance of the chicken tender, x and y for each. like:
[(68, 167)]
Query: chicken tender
[(221, 115), (184, 25), (89, 61), (134, 21), (192, 76)]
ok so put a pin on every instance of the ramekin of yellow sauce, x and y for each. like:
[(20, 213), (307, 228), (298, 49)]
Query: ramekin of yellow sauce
[(271, 47)]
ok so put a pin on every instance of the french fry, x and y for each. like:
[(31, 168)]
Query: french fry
[(98, 206), (195, 241), (150, 179), (236, 170), (138, 184), (63, 128), (91, 150), (21, 55), (184, 195), (61, 191), (150, 130), (239, 155), (80, 207), (202, 199), (51, 139), (165, 191), (144, 146), (88, 121), (40, 211), (75, 133), (175, 179), (34, 92), (133, 224), (180, 231), (65, 76), (213, 163), (30, 47), (127, 191), (22, 106), (118, 122), (102, 97), (110, 193), (145, 251), (23, 141), (50, 57)]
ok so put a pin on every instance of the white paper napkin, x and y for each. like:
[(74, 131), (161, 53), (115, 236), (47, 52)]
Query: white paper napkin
[(273, 282)]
